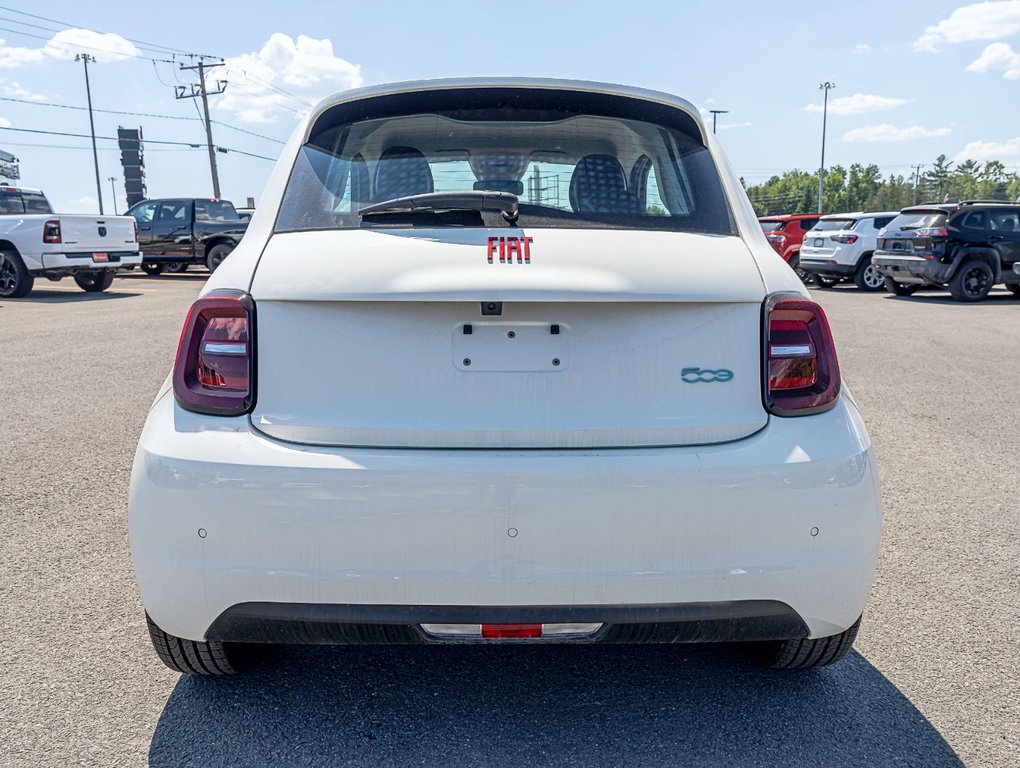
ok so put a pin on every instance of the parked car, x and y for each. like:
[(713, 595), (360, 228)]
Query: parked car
[(786, 233), (245, 213), (35, 242), (466, 392), (969, 247), (841, 245), (177, 232)]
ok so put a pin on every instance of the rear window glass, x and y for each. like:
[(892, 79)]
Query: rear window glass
[(772, 226), (572, 159), (215, 210), (831, 225), (917, 220), (18, 201)]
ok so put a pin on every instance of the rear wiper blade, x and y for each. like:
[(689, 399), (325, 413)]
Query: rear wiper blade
[(506, 203)]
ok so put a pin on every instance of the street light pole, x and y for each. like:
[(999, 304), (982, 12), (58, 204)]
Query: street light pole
[(113, 191), (85, 59), (715, 114), (826, 86)]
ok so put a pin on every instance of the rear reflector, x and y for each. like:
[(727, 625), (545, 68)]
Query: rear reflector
[(511, 630), (214, 369), (801, 370)]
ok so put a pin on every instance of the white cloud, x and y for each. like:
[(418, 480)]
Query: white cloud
[(980, 21), (15, 89), (727, 126), (990, 150), (305, 67), (998, 56), (862, 48), (66, 44), (887, 132), (858, 104), (4, 122)]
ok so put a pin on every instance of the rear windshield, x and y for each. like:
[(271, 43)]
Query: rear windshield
[(573, 160), (215, 210), (772, 226), (18, 201), (831, 225), (917, 220)]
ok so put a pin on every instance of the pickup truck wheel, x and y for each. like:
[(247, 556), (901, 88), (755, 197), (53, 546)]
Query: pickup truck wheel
[(150, 268), (94, 282), (867, 277), (197, 658), (217, 254), (15, 280), (176, 267), (900, 289), (972, 281), (807, 654)]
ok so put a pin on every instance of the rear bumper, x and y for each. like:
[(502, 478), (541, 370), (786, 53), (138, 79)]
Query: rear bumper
[(912, 269), (823, 267), (86, 262), (222, 516)]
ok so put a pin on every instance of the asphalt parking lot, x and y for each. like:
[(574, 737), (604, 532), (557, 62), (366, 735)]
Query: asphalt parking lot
[(934, 681)]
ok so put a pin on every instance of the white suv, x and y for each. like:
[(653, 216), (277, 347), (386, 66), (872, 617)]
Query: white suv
[(506, 361), (840, 246)]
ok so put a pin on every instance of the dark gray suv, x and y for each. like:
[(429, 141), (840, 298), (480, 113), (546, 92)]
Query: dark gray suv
[(967, 247)]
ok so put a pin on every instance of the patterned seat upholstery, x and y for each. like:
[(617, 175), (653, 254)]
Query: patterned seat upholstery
[(402, 171), (599, 185)]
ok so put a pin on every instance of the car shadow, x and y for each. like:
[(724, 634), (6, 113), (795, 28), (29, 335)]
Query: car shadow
[(64, 297), (551, 705), (1003, 299), (184, 276)]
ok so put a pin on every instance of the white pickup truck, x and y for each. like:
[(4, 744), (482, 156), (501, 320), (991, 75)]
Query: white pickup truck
[(36, 242)]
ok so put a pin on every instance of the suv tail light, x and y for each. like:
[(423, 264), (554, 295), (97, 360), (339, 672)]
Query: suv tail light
[(801, 370), (51, 231), (848, 239), (215, 365), (932, 232)]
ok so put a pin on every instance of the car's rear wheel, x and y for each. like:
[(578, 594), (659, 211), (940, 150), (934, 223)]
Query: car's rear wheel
[(807, 654), (900, 289), (150, 268), (216, 255), (825, 281), (177, 267), (972, 281), (867, 277), (191, 657), (94, 282), (15, 280)]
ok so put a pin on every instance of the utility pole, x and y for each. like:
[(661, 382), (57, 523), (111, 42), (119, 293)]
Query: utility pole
[(826, 86), (85, 59), (113, 191), (201, 90), (917, 180), (715, 114)]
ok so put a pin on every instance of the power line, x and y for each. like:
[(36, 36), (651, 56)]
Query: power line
[(192, 145)]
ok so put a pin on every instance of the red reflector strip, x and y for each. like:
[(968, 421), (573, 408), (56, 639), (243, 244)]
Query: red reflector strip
[(511, 630)]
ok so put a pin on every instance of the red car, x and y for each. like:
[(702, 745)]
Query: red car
[(786, 233)]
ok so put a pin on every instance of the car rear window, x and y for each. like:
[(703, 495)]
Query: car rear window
[(772, 226), (215, 210), (917, 220), (574, 159), (831, 225), (14, 201)]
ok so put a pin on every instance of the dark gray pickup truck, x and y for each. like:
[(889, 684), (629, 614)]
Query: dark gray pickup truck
[(174, 233)]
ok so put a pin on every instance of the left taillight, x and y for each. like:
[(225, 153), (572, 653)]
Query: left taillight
[(136, 229), (214, 371), (51, 231), (801, 369)]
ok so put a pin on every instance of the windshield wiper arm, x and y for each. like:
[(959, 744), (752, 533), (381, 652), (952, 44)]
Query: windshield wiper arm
[(435, 202)]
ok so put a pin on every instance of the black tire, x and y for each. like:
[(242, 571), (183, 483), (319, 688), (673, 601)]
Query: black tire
[(827, 282), (151, 268), (217, 254), (972, 281), (191, 657), (176, 267), (867, 278), (94, 282), (15, 280), (900, 289), (1013, 288), (808, 654), (794, 262)]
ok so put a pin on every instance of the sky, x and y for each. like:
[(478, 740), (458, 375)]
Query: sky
[(914, 79)]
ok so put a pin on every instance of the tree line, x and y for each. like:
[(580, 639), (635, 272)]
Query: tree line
[(862, 187)]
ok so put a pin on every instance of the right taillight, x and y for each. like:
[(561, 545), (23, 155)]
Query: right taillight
[(801, 370), (214, 371), (51, 231)]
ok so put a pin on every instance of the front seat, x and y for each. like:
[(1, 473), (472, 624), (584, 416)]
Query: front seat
[(401, 171), (599, 185)]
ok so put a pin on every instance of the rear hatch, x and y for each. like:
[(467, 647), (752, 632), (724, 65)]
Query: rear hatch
[(91, 234), (600, 339), (818, 241), (911, 232)]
